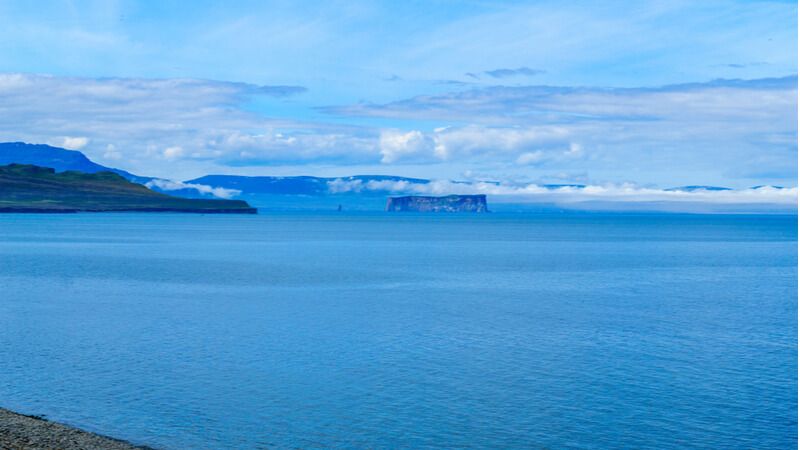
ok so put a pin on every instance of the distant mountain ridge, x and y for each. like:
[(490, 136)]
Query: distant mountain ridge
[(57, 158)]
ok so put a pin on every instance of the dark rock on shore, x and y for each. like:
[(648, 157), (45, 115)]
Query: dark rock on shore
[(21, 432), (449, 203)]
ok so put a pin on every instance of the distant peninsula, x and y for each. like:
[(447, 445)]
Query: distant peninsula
[(448, 203), (29, 188)]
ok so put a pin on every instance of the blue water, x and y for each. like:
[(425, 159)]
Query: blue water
[(404, 331)]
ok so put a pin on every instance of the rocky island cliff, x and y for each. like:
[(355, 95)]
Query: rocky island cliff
[(448, 203)]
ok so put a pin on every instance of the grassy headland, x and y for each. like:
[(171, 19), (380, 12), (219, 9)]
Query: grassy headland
[(28, 188)]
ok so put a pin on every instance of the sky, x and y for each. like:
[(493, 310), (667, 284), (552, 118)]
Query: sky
[(647, 93)]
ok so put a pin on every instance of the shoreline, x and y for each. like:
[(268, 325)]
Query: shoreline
[(25, 432)]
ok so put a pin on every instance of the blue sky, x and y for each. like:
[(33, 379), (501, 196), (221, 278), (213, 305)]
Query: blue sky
[(638, 92)]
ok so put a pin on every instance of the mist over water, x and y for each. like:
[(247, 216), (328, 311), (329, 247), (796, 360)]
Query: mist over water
[(404, 331)]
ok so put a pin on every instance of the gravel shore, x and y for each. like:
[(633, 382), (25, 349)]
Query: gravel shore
[(20, 432)]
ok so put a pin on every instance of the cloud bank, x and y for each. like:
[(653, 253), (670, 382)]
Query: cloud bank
[(739, 132), (150, 122), (626, 192), (727, 128)]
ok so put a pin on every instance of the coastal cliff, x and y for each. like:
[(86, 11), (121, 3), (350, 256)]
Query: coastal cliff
[(449, 203)]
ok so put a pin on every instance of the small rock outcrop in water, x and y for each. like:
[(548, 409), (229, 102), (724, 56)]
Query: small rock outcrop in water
[(449, 203)]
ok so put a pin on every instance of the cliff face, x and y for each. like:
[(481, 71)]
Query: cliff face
[(449, 203)]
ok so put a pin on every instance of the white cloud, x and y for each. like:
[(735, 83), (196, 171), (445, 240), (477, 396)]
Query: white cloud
[(70, 143), (518, 144), (503, 142), (273, 146), (530, 158), (341, 186), (396, 145), (575, 151), (172, 153), (112, 153), (170, 185)]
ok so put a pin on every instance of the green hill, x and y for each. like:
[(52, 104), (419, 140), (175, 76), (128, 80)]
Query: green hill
[(28, 188)]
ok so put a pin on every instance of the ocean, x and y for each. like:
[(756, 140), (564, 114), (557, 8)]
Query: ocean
[(377, 330)]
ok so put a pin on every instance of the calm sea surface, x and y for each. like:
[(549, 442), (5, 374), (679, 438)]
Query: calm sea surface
[(404, 331)]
